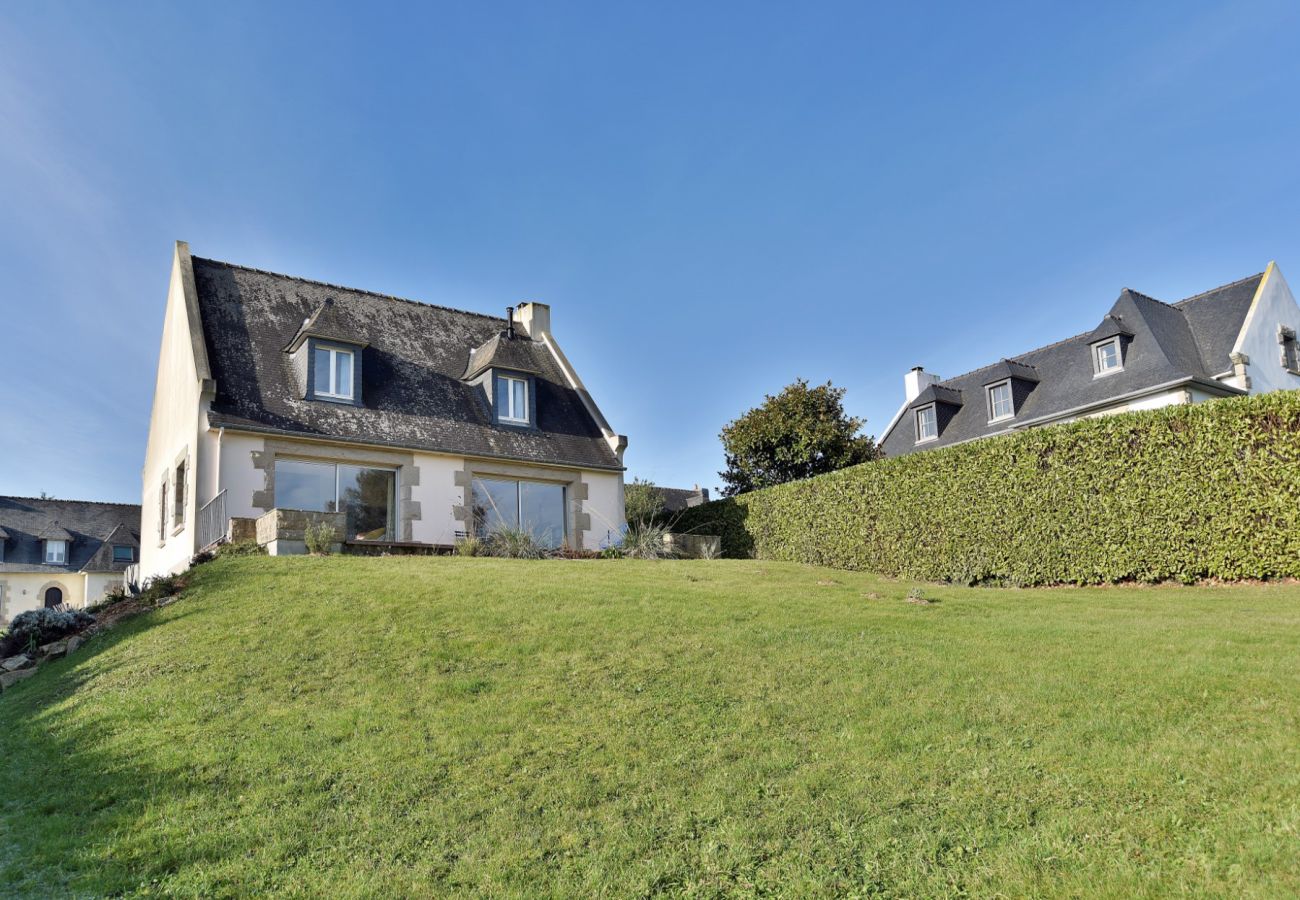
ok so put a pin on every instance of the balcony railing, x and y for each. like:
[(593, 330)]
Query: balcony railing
[(213, 522)]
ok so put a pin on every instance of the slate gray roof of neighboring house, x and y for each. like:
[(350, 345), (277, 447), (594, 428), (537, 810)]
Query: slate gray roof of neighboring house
[(414, 393), (1186, 341), (91, 528), (678, 499)]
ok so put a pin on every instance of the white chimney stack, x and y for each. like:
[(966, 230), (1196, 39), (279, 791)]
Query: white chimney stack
[(917, 380), (533, 319)]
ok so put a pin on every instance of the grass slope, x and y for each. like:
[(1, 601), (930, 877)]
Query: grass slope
[(401, 727)]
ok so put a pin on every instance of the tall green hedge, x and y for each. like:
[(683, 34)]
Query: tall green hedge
[(1184, 492)]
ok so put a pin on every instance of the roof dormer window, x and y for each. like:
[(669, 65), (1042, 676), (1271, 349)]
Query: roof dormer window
[(514, 400), (332, 372), (1107, 357), (927, 424), (1001, 402), (56, 552)]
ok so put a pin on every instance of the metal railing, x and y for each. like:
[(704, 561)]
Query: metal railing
[(212, 522)]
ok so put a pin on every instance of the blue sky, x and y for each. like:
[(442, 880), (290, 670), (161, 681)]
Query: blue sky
[(714, 199)]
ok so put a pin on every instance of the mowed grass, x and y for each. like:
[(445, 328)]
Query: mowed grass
[(432, 727)]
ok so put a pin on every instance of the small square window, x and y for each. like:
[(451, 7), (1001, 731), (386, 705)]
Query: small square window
[(1107, 357), (927, 425), (1001, 405), (123, 553)]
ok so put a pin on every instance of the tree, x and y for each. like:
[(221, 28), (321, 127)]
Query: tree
[(642, 501), (799, 433)]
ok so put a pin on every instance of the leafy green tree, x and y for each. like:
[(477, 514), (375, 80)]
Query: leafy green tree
[(796, 434), (643, 502)]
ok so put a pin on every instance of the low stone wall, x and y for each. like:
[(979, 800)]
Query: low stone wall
[(242, 529), (283, 531), (694, 546)]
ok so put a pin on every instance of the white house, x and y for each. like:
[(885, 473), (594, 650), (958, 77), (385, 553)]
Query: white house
[(62, 552), (1233, 340), (413, 424)]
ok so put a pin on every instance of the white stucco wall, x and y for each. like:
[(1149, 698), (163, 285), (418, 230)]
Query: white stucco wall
[(238, 477), (604, 504), (1273, 306), (173, 432), (437, 493)]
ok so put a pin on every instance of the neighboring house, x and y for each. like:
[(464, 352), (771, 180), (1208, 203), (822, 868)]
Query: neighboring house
[(1233, 340), (678, 499), (56, 552), (413, 423)]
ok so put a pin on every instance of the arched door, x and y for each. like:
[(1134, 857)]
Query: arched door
[(53, 597)]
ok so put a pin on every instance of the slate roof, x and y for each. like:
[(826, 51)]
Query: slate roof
[(678, 499), (92, 529), (1186, 341), (414, 364)]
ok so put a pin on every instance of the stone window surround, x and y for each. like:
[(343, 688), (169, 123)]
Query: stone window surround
[(408, 473), (180, 502), (575, 493), (1285, 335)]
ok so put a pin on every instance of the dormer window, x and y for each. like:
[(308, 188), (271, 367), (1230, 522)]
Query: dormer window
[(1001, 404), (927, 424), (1107, 358), (514, 399), (56, 552), (332, 372)]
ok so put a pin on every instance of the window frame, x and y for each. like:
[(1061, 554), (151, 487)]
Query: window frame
[(162, 512), (334, 353), (480, 528), (130, 553), (506, 408), (393, 520), (1098, 371), (1286, 338), (992, 403), (932, 409), (62, 559), (179, 490)]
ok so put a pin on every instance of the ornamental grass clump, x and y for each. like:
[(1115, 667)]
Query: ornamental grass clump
[(514, 543), (647, 540)]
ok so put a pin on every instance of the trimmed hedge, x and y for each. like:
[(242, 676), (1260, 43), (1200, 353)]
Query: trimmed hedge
[(1184, 492)]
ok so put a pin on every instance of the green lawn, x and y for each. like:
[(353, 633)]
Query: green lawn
[(426, 726)]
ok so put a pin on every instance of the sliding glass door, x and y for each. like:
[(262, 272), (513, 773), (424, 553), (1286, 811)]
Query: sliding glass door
[(533, 506), (365, 494)]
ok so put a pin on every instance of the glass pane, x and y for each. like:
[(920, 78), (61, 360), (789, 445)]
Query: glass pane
[(519, 391), (541, 508), (321, 373), (366, 495), (343, 384), (304, 485), (496, 504)]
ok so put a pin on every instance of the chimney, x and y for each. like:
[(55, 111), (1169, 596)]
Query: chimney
[(510, 323), (917, 380), (533, 319)]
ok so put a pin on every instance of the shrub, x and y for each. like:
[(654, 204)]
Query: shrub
[(35, 627), (513, 543), (643, 502), (470, 545), (320, 538), (646, 541), (1184, 492), (241, 548)]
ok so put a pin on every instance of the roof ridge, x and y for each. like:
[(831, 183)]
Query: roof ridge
[(1145, 297), (59, 500), (1179, 303), (344, 287)]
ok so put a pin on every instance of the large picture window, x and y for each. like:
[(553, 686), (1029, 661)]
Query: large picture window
[(533, 506), (364, 493)]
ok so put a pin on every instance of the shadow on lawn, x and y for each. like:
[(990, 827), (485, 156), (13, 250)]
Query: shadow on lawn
[(66, 798)]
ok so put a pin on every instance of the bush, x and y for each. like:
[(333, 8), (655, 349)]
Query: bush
[(646, 541), (320, 538), (643, 502), (470, 545), (35, 627), (513, 543), (241, 548), (1185, 492)]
